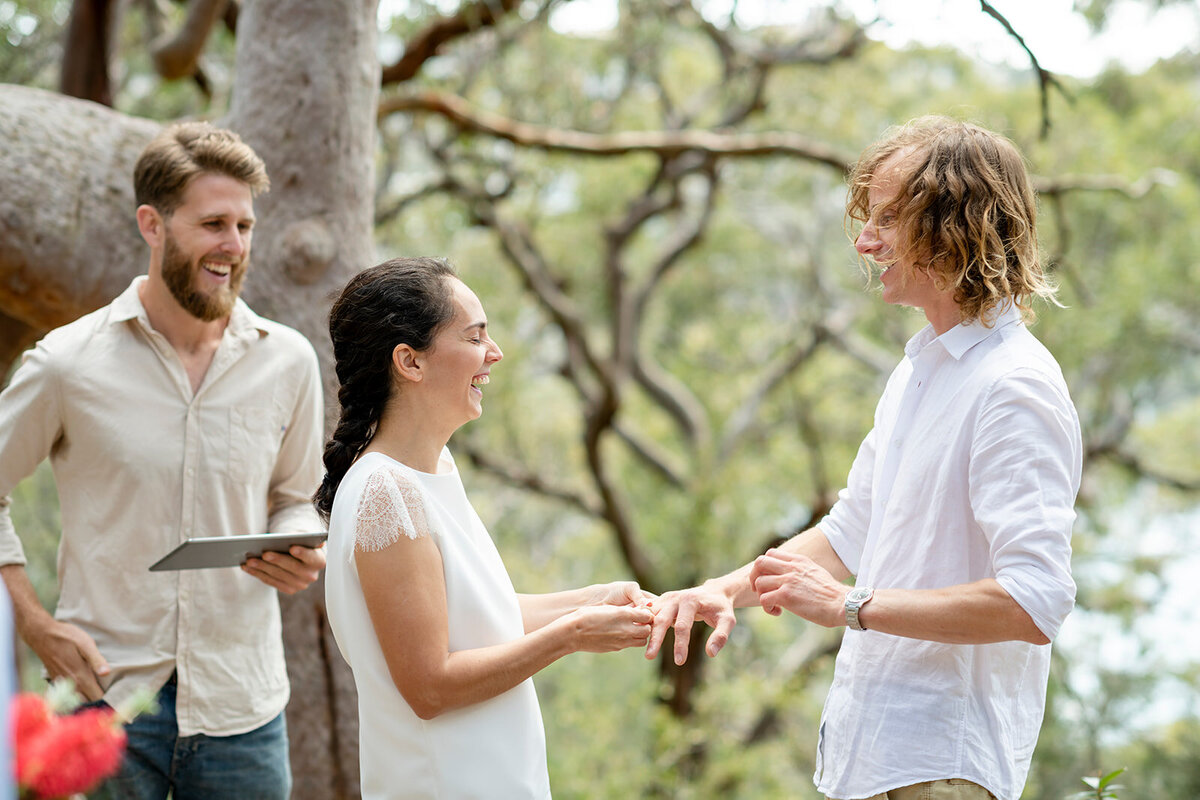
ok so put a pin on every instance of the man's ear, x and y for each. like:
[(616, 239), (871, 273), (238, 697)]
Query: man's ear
[(151, 225), (408, 362)]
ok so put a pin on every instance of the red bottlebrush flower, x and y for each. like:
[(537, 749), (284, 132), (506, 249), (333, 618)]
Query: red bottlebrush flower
[(30, 715), (71, 754)]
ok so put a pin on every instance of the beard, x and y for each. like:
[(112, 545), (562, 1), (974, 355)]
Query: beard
[(181, 277)]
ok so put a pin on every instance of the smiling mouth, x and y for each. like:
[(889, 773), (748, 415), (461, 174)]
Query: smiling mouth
[(480, 381), (219, 270)]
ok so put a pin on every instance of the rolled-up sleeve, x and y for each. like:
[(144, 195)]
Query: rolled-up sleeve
[(298, 469), (1026, 462), (30, 424), (847, 523)]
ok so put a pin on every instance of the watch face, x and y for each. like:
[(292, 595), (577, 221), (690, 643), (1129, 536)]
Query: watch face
[(858, 594)]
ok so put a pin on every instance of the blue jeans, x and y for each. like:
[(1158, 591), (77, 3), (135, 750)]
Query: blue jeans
[(248, 766)]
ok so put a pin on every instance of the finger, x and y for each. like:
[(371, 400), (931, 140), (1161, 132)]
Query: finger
[(90, 654), (720, 636), (635, 596), (768, 564), (767, 583), (770, 602), (291, 569), (643, 616), (787, 559), (632, 594), (312, 557), (274, 577), (683, 631), (81, 673), (288, 563), (664, 616), (87, 685)]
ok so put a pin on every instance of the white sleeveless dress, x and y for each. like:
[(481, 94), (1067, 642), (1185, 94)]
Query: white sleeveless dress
[(493, 749)]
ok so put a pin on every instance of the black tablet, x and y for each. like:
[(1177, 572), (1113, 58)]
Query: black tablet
[(231, 551)]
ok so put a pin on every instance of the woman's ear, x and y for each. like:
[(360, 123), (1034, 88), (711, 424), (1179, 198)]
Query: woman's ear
[(407, 362)]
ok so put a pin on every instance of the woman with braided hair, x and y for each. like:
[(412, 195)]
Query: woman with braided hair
[(442, 648)]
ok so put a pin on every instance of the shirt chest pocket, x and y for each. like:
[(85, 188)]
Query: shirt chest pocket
[(255, 433)]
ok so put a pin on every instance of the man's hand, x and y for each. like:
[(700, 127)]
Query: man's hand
[(289, 572), (795, 582), (68, 652), (681, 608)]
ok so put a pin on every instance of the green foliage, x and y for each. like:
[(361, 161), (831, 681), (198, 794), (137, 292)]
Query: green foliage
[(1100, 788), (773, 263), (30, 41)]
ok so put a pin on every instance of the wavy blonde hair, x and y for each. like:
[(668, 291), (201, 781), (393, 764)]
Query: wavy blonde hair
[(965, 209)]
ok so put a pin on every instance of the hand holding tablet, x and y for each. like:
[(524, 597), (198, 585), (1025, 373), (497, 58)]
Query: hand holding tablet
[(231, 551)]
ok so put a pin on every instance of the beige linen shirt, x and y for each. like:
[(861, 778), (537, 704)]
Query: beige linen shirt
[(142, 463)]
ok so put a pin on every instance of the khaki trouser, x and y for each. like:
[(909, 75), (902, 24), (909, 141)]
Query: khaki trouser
[(953, 789)]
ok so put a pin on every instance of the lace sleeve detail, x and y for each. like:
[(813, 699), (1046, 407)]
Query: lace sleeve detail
[(391, 506)]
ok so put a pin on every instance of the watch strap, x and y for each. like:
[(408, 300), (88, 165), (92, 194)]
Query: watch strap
[(855, 600)]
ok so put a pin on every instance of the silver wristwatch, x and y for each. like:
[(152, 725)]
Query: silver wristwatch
[(856, 598)]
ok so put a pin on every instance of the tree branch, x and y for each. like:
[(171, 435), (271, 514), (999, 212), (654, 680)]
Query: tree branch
[(176, 56), (674, 397), (741, 420), (1046, 79), (522, 478), (651, 455), (599, 419), (85, 61), (386, 214), (1106, 183), (524, 255), (1058, 259), (429, 41), (1137, 465), (665, 144), (818, 47)]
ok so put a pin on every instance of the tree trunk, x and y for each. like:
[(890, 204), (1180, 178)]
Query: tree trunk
[(305, 98), (86, 54), (68, 238)]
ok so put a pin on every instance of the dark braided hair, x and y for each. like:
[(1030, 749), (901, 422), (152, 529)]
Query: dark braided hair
[(402, 301)]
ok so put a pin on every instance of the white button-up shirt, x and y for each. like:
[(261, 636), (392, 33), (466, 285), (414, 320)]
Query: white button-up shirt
[(142, 463), (970, 472)]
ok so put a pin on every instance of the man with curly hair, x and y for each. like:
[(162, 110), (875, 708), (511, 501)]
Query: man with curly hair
[(956, 518)]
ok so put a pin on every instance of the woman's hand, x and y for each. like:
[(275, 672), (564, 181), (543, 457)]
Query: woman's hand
[(608, 628), (619, 593)]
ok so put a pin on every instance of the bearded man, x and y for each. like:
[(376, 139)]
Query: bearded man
[(174, 412)]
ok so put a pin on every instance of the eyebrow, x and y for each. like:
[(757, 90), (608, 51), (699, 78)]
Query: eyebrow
[(221, 215), (480, 325)]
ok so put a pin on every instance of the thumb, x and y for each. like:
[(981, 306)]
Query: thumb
[(91, 654), (635, 595)]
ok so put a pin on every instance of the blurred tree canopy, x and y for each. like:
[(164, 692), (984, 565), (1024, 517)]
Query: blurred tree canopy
[(652, 216)]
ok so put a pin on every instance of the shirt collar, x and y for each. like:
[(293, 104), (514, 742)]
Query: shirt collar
[(961, 338), (128, 305)]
